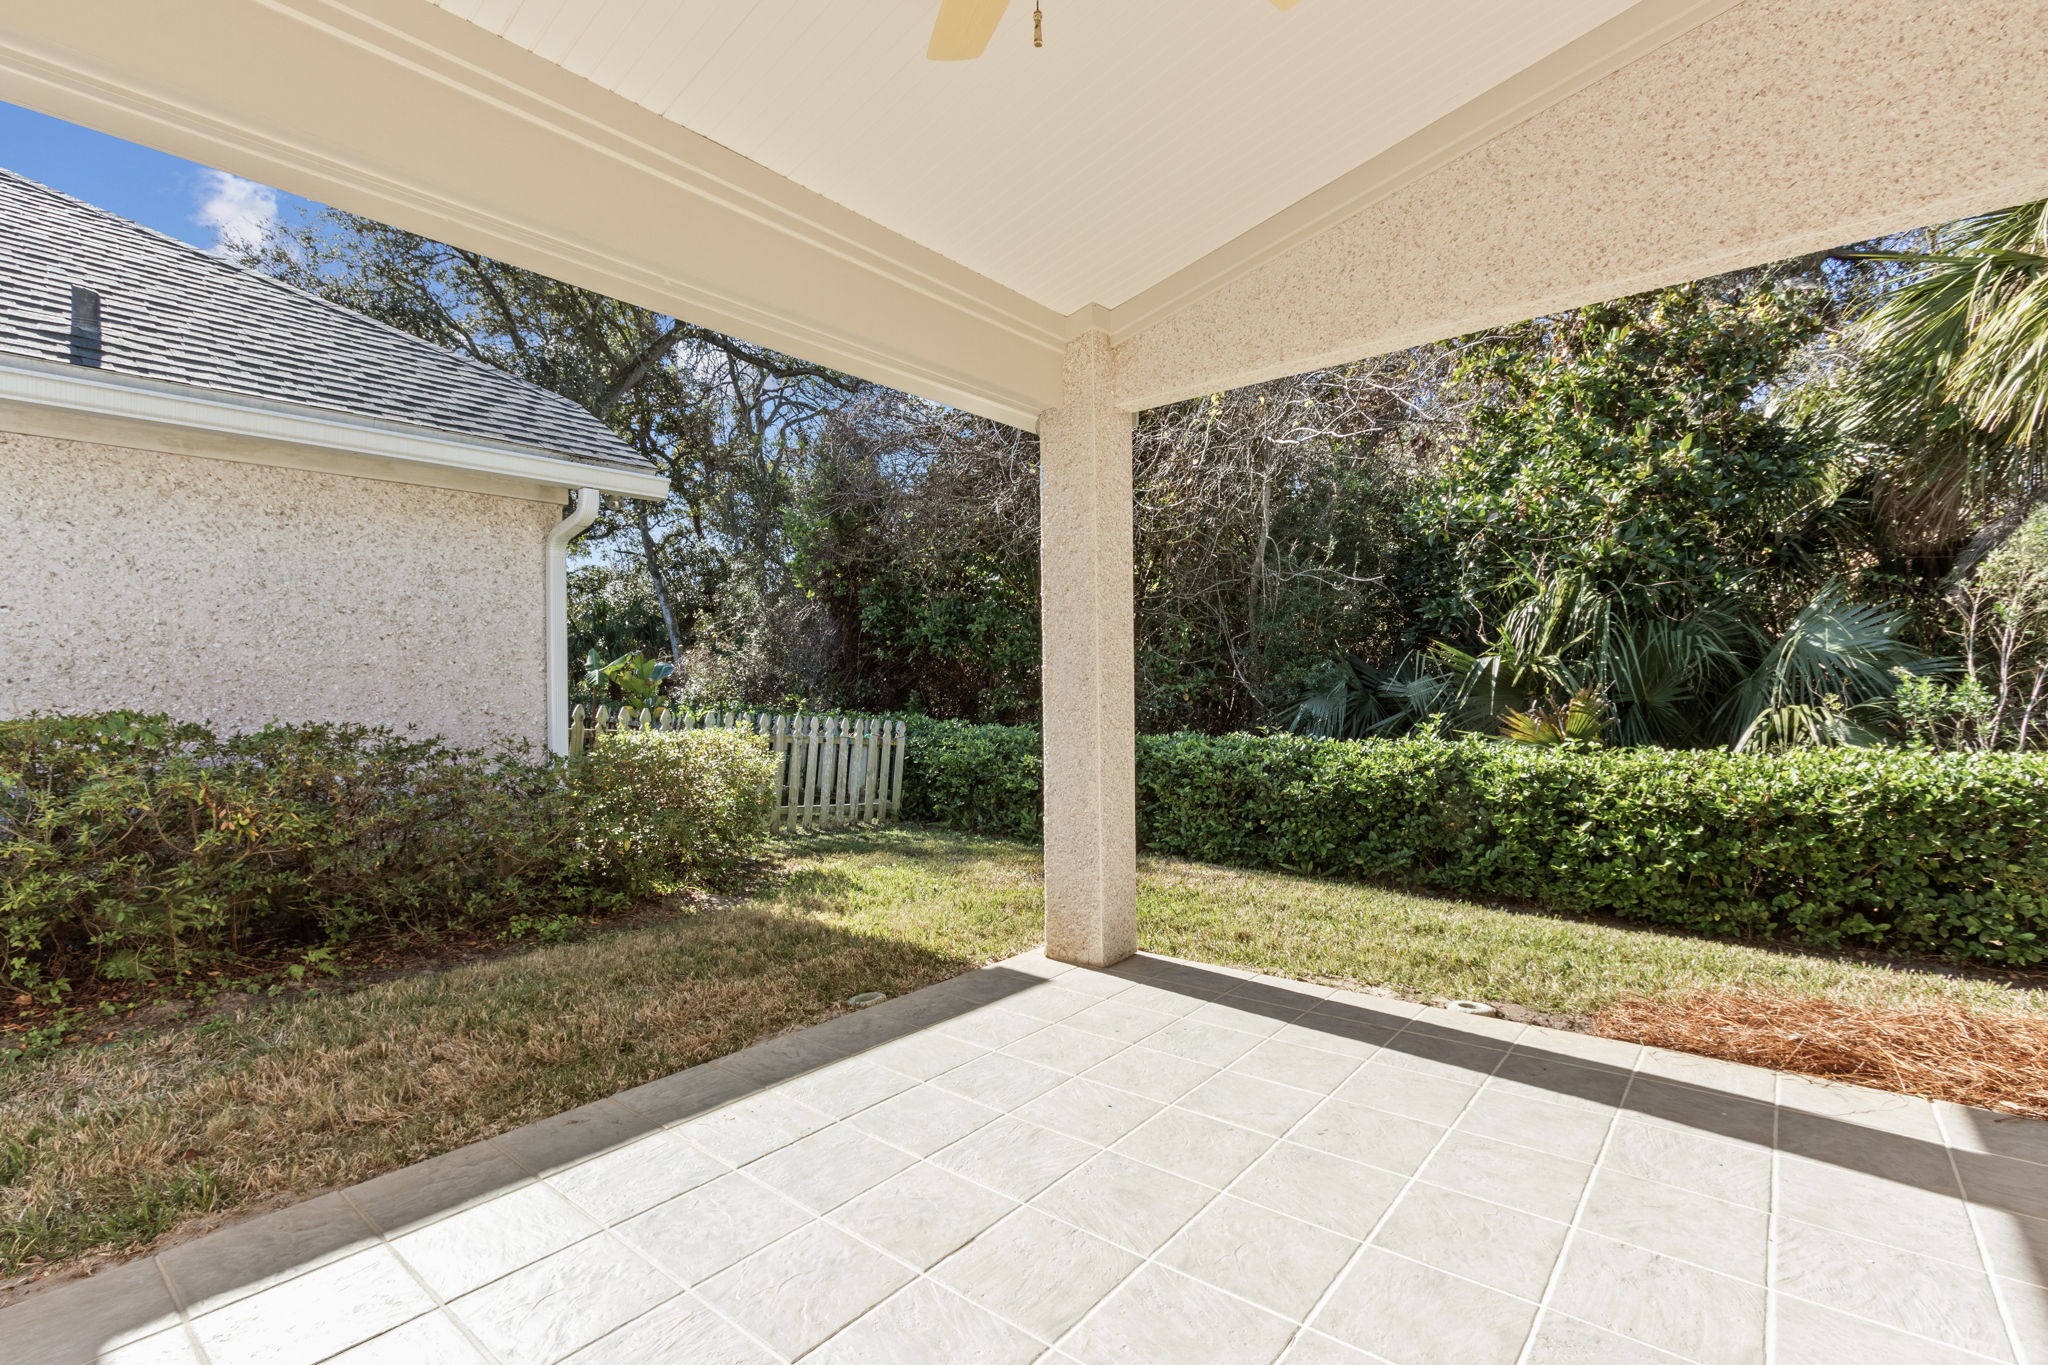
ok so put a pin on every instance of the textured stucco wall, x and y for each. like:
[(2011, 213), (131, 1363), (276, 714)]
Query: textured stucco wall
[(1779, 127), (236, 593)]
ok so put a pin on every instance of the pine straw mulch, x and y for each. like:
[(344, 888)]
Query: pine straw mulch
[(1940, 1051)]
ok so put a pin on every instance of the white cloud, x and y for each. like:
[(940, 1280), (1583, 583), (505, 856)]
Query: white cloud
[(240, 212)]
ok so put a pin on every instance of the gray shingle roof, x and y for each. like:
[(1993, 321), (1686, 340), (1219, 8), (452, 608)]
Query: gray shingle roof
[(171, 312)]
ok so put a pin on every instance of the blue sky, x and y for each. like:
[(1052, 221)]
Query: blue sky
[(164, 192)]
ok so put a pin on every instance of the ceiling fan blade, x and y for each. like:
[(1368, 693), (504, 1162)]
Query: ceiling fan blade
[(963, 29), (1285, 4)]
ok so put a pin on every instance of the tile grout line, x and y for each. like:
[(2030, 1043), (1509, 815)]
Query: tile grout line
[(1544, 1299), (440, 1304), (1505, 1050), (1223, 1191), (824, 1217), (382, 1238), (609, 1229), (1886, 1326), (1041, 1026), (1506, 1047), (1971, 1213), (1949, 1346), (185, 1319), (1144, 1259), (916, 1273), (177, 1298), (917, 1278), (1365, 1242)]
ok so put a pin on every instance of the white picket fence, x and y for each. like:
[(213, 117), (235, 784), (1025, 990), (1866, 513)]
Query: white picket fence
[(830, 770)]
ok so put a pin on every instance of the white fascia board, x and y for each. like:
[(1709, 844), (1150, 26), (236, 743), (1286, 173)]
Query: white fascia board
[(94, 393), (473, 140)]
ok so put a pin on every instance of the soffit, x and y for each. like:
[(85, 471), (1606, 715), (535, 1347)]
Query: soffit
[(1144, 136)]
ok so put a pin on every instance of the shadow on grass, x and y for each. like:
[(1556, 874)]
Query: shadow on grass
[(951, 850), (2011, 978)]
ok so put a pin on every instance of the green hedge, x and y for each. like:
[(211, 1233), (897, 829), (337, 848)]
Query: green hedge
[(985, 779), (1917, 852), (132, 846)]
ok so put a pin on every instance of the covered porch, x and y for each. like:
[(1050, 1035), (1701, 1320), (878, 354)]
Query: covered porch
[(1165, 200), (1163, 1161), (1090, 1155)]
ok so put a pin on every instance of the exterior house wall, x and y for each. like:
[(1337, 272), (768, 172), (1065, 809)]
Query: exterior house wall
[(238, 593)]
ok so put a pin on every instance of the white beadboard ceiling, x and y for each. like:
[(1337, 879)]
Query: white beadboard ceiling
[(1145, 134)]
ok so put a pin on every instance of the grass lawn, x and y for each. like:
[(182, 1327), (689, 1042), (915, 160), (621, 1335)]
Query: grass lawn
[(105, 1149), (1438, 948)]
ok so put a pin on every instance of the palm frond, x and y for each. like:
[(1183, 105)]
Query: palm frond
[(1357, 699), (1834, 648), (1582, 719), (1950, 384), (1803, 726), (1661, 674)]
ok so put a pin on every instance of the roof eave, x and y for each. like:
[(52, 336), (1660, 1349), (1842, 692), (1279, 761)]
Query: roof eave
[(45, 384)]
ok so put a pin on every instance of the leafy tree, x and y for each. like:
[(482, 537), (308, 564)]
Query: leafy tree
[(918, 539), (1624, 445), (1269, 527), (721, 418), (2000, 624), (612, 610)]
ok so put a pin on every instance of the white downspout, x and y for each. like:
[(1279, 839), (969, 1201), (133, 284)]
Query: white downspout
[(583, 508)]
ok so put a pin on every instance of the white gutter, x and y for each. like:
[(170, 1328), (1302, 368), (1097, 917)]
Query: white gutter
[(583, 510), (64, 388)]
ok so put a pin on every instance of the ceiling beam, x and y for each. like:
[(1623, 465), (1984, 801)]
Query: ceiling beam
[(402, 112), (1777, 128)]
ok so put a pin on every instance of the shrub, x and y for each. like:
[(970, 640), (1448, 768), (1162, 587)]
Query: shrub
[(984, 779), (131, 845), (1918, 852), (659, 805)]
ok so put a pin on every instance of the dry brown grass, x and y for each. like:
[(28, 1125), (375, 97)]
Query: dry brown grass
[(109, 1150), (1938, 1049)]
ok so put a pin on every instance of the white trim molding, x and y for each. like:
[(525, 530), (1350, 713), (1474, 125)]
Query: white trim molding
[(1636, 31), (474, 140), (47, 398), (1679, 138), (468, 125)]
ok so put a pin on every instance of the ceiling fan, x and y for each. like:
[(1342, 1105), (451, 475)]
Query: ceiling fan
[(964, 27)]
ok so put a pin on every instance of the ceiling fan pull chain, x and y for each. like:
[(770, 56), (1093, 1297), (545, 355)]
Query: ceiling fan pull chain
[(1037, 26)]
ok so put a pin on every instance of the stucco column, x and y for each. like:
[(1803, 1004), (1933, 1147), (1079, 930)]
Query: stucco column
[(1085, 590)]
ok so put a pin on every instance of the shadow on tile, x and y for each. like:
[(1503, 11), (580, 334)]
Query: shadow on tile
[(74, 1322)]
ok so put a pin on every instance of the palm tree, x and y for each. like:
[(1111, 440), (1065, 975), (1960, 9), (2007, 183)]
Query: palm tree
[(1823, 680), (1565, 666), (1948, 382)]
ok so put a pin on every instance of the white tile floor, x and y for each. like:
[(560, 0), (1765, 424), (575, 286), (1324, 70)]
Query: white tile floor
[(1162, 1163)]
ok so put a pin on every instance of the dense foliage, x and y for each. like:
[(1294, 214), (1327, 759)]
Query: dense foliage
[(1619, 445), (984, 779), (1746, 510), (1912, 852), (132, 846)]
